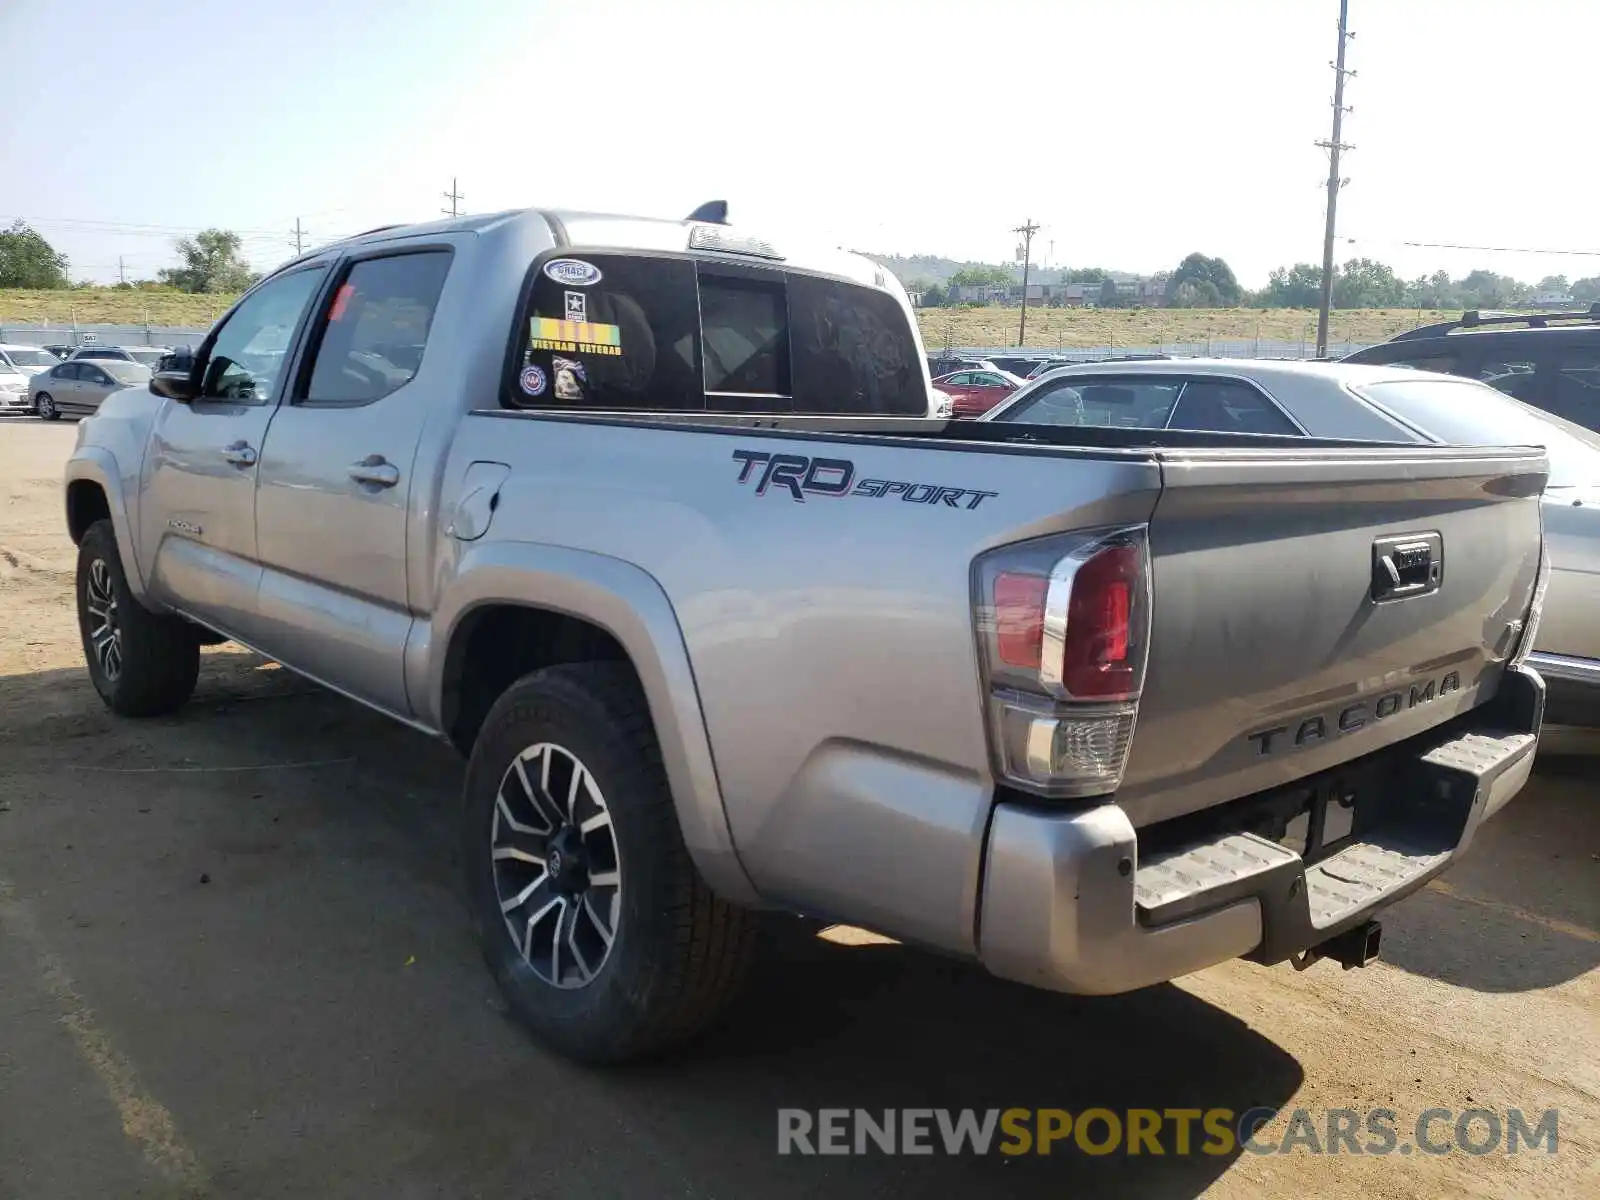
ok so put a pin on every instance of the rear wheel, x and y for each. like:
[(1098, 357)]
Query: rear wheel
[(142, 663), (45, 405), (592, 918)]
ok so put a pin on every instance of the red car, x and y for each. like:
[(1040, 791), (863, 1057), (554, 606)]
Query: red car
[(976, 392)]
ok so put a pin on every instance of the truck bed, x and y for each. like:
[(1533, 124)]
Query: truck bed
[(821, 570)]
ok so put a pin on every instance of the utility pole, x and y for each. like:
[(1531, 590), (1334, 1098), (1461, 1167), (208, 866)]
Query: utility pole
[(121, 278), (1334, 147), (454, 196), (1027, 229), (299, 237)]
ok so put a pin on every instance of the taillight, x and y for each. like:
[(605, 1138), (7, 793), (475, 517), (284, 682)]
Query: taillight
[(1063, 623)]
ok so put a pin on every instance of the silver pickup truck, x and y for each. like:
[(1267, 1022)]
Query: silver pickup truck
[(646, 517)]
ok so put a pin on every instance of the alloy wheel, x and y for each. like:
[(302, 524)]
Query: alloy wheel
[(557, 870), (105, 629)]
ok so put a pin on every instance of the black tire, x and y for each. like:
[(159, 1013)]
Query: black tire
[(157, 656), (44, 405), (678, 954)]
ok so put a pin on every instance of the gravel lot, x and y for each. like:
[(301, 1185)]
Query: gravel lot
[(233, 962)]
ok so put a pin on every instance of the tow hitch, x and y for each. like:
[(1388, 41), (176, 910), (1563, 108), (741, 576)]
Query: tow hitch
[(1352, 948)]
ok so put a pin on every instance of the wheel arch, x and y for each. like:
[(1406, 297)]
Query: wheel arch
[(92, 494), (512, 607)]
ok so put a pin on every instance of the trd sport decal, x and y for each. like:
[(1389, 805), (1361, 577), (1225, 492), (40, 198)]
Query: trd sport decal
[(800, 477)]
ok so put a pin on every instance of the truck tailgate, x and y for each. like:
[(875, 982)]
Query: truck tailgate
[(1282, 642)]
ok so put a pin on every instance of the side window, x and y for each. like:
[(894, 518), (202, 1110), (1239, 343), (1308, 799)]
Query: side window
[(93, 375), (1226, 406), (1514, 374), (1448, 364), (1125, 403), (371, 340), (1576, 387), (67, 370), (964, 379), (248, 352)]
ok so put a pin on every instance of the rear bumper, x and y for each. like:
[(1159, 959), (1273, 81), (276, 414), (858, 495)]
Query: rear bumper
[(1573, 687), (1069, 905)]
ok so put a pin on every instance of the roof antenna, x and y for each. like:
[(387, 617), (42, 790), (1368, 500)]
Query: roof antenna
[(713, 212)]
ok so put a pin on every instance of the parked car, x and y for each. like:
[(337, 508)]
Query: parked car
[(78, 386), (976, 392), (944, 364), (1092, 708), (25, 360), (13, 390), (1548, 360), (1384, 403), (145, 356), (61, 352)]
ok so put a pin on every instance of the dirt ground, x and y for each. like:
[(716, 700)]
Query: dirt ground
[(234, 963)]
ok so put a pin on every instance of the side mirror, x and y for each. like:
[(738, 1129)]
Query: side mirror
[(175, 385)]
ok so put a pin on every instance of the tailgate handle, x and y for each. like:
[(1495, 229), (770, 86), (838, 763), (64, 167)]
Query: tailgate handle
[(1407, 565)]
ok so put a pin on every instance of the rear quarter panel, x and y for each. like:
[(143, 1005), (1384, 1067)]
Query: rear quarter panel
[(831, 639)]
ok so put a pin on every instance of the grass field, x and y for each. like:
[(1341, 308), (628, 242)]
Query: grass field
[(110, 306), (1048, 328), (1067, 328)]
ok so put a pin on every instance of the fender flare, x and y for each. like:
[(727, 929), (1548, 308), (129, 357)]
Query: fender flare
[(631, 605), (97, 465)]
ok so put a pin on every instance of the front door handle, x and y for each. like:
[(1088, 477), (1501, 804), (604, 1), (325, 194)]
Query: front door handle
[(374, 469), (240, 454)]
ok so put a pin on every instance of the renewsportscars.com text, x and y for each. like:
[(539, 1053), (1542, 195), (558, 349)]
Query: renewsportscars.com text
[(1156, 1131)]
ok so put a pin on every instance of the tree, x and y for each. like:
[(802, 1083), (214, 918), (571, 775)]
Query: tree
[(1085, 275), (1586, 291), (28, 261), (1198, 269), (211, 263), (1366, 283), (1553, 283), (1299, 286), (1196, 293), (980, 277), (933, 295)]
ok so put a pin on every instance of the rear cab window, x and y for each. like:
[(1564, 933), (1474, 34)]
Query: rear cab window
[(642, 332)]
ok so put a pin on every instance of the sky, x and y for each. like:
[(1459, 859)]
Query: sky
[(1132, 131)]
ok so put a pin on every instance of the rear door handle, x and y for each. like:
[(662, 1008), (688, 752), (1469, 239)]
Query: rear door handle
[(374, 469), (240, 454)]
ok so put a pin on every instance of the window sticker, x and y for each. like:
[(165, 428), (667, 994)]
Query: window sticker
[(577, 306), (573, 272), (570, 378), (533, 380), (572, 337)]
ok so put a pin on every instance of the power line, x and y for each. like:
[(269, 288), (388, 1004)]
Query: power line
[(454, 196), (1502, 249), (1334, 148)]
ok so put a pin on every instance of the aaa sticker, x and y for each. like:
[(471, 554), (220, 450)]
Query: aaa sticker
[(533, 380)]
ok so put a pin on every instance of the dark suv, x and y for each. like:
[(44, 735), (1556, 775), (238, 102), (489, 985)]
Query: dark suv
[(1548, 360)]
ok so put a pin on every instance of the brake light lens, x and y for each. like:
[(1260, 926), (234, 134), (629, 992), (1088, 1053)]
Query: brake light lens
[(1064, 624), (1096, 659)]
